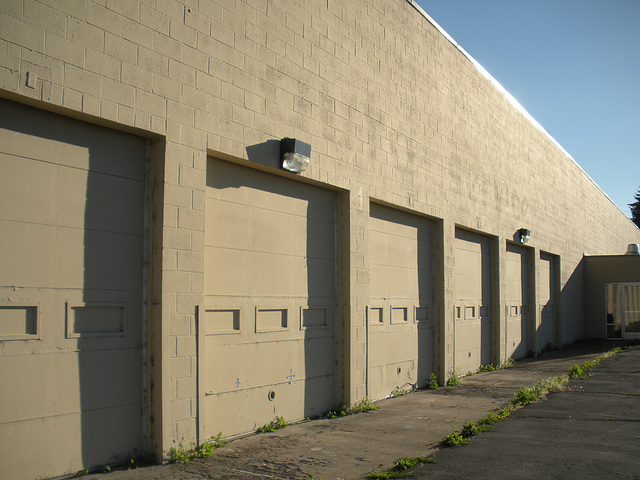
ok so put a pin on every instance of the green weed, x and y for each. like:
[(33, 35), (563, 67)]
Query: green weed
[(470, 429), (405, 463), (433, 382), (454, 379), (576, 370), (400, 465), (399, 393), (524, 396), (492, 418), (180, 455), (507, 363), (453, 440), (486, 368), (362, 406), (277, 424), (383, 475), (365, 405)]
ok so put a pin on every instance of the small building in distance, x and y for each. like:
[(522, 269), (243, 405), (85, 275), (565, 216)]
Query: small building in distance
[(612, 295)]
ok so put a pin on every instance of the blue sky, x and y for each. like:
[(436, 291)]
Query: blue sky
[(574, 65)]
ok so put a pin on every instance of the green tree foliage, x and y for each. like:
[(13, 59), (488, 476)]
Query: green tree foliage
[(635, 209)]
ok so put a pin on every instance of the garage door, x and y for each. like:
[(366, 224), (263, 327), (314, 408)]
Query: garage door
[(546, 332), (472, 277), (71, 243), (270, 287), (400, 315), (516, 302)]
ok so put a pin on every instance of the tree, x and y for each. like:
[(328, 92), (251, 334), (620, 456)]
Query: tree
[(635, 209)]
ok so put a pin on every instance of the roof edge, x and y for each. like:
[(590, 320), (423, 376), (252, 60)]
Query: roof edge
[(510, 98)]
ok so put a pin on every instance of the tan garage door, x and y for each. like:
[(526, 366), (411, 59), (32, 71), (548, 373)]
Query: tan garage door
[(270, 290), (472, 277), (400, 316), (546, 332), (517, 302), (71, 243)]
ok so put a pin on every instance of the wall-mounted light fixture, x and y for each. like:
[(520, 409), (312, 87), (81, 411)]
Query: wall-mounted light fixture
[(524, 235), (294, 155), (633, 249)]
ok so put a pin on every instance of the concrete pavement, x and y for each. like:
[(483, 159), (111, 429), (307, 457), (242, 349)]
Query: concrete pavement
[(590, 430), (412, 425)]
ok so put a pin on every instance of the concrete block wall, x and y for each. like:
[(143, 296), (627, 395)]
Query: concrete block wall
[(393, 111)]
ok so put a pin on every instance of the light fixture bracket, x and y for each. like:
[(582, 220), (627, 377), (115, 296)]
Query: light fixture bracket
[(294, 155), (524, 235)]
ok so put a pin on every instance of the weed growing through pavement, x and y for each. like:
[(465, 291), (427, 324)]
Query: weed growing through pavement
[(507, 363), (470, 429), (405, 463), (81, 473), (399, 393), (362, 406), (454, 379), (277, 424), (521, 397), (486, 368), (491, 367), (180, 455), (453, 440), (383, 475), (433, 382), (400, 465), (582, 370)]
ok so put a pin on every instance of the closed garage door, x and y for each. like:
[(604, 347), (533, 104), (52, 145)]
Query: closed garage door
[(270, 300), (546, 332), (400, 315), (472, 276), (71, 243), (517, 303)]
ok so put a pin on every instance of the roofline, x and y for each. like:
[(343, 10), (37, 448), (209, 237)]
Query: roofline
[(508, 96)]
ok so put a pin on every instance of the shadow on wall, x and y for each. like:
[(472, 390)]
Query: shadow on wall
[(426, 326), (266, 153), (571, 309), (93, 320)]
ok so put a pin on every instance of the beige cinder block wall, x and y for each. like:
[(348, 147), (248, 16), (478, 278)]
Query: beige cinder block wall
[(394, 112)]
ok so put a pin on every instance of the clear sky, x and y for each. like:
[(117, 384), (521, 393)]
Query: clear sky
[(574, 65)]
